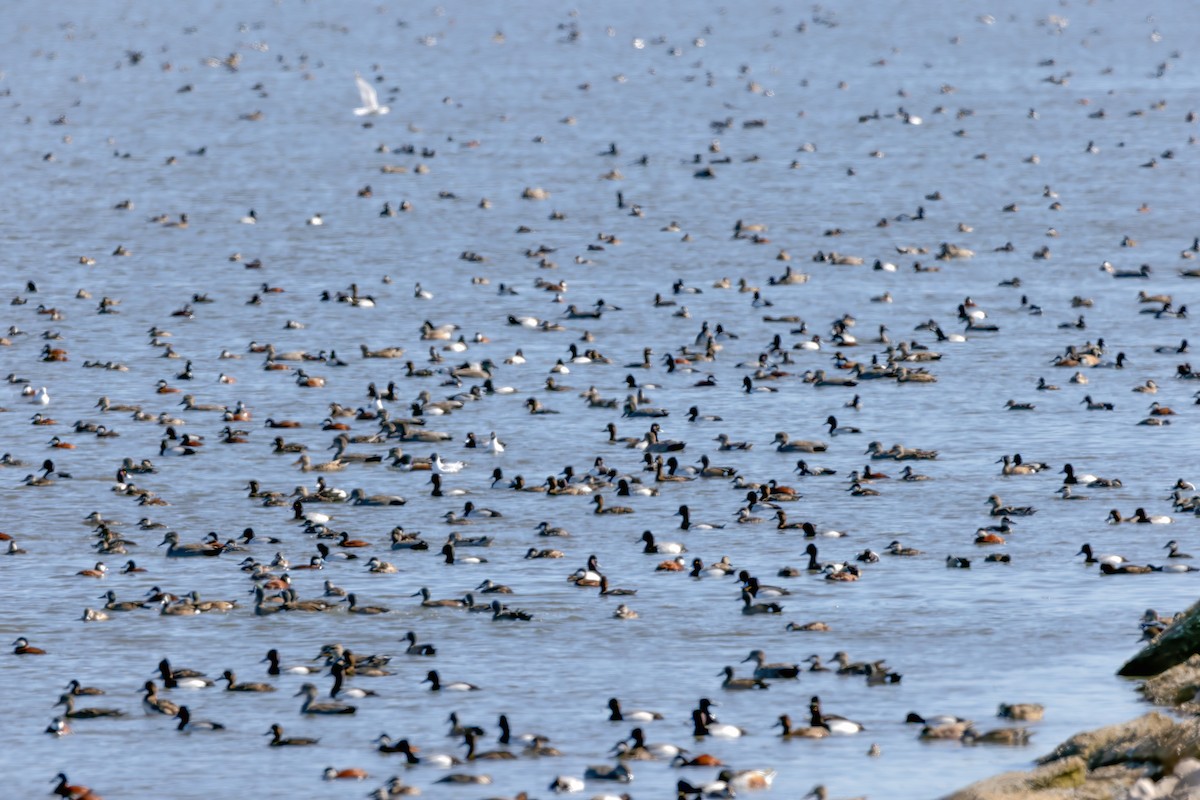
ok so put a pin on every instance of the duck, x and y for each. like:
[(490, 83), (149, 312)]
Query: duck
[(181, 678), (607, 591), (598, 500), (747, 779), (811, 532), (418, 649), (803, 469), (699, 570), (336, 692), (1087, 479), (637, 715), (1007, 736), (436, 685), (273, 668), (72, 792), (427, 602), (76, 689), (897, 549), (153, 704), (749, 607), (784, 444), (279, 740), (1127, 569), (68, 702), (770, 671), (806, 732), (1173, 546), (838, 430), (451, 559), (687, 525), (730, 683), (702, 725), (232, 684), (815, 626), (836, 725), (639, 749), (176, 550), (1026, 712), (189, 725), (1140, 516), (501, 612), (310, 706), (1001, 510)]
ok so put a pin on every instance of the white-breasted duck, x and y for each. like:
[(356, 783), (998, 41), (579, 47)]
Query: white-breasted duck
[(703, 725), (835, 724), (436, 684)]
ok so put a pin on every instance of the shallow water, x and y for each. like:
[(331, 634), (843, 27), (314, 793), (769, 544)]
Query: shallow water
[(1041, 629)]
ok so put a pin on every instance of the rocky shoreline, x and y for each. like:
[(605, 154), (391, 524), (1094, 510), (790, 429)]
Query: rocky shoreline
[(1153, 756)]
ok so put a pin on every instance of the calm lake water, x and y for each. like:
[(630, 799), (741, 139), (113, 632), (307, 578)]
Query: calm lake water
[(505, 96)]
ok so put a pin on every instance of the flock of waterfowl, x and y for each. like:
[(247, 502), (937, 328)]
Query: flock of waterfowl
[(613, 440)]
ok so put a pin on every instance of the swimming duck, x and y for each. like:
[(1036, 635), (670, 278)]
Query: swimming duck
[(806, 732), (353, 607), (176, 550), (418, 649), (808, 626), (607, 591), (749, 607), (181, 678), (189, 725), (835, 724), (1140, 516), (784, 444), (153, 704), (451, 558), (75, 688), (310, 706), (704, 726), (501, 612), (897, 549), (66, 790), (278, 739), (602, 509), (732, 683), (837, 430), (1006, 736), (273, 668), (427, 602), (336, 692), (617, 715), (766, 671), (1126, 569), (435, 684), (1173, 546), (1001, 510), (68, 702), (624, 612), (1030, 712)]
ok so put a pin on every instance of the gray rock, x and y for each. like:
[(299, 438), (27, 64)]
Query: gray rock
[(1175, 645)]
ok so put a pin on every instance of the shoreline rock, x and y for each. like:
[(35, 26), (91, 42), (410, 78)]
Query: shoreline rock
[(1176, 644), (1152, 757)]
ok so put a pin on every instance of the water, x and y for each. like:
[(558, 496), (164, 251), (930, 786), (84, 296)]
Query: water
[(1041, 629)]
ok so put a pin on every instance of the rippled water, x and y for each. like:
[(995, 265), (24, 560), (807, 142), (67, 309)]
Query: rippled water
[(1041, 629)]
